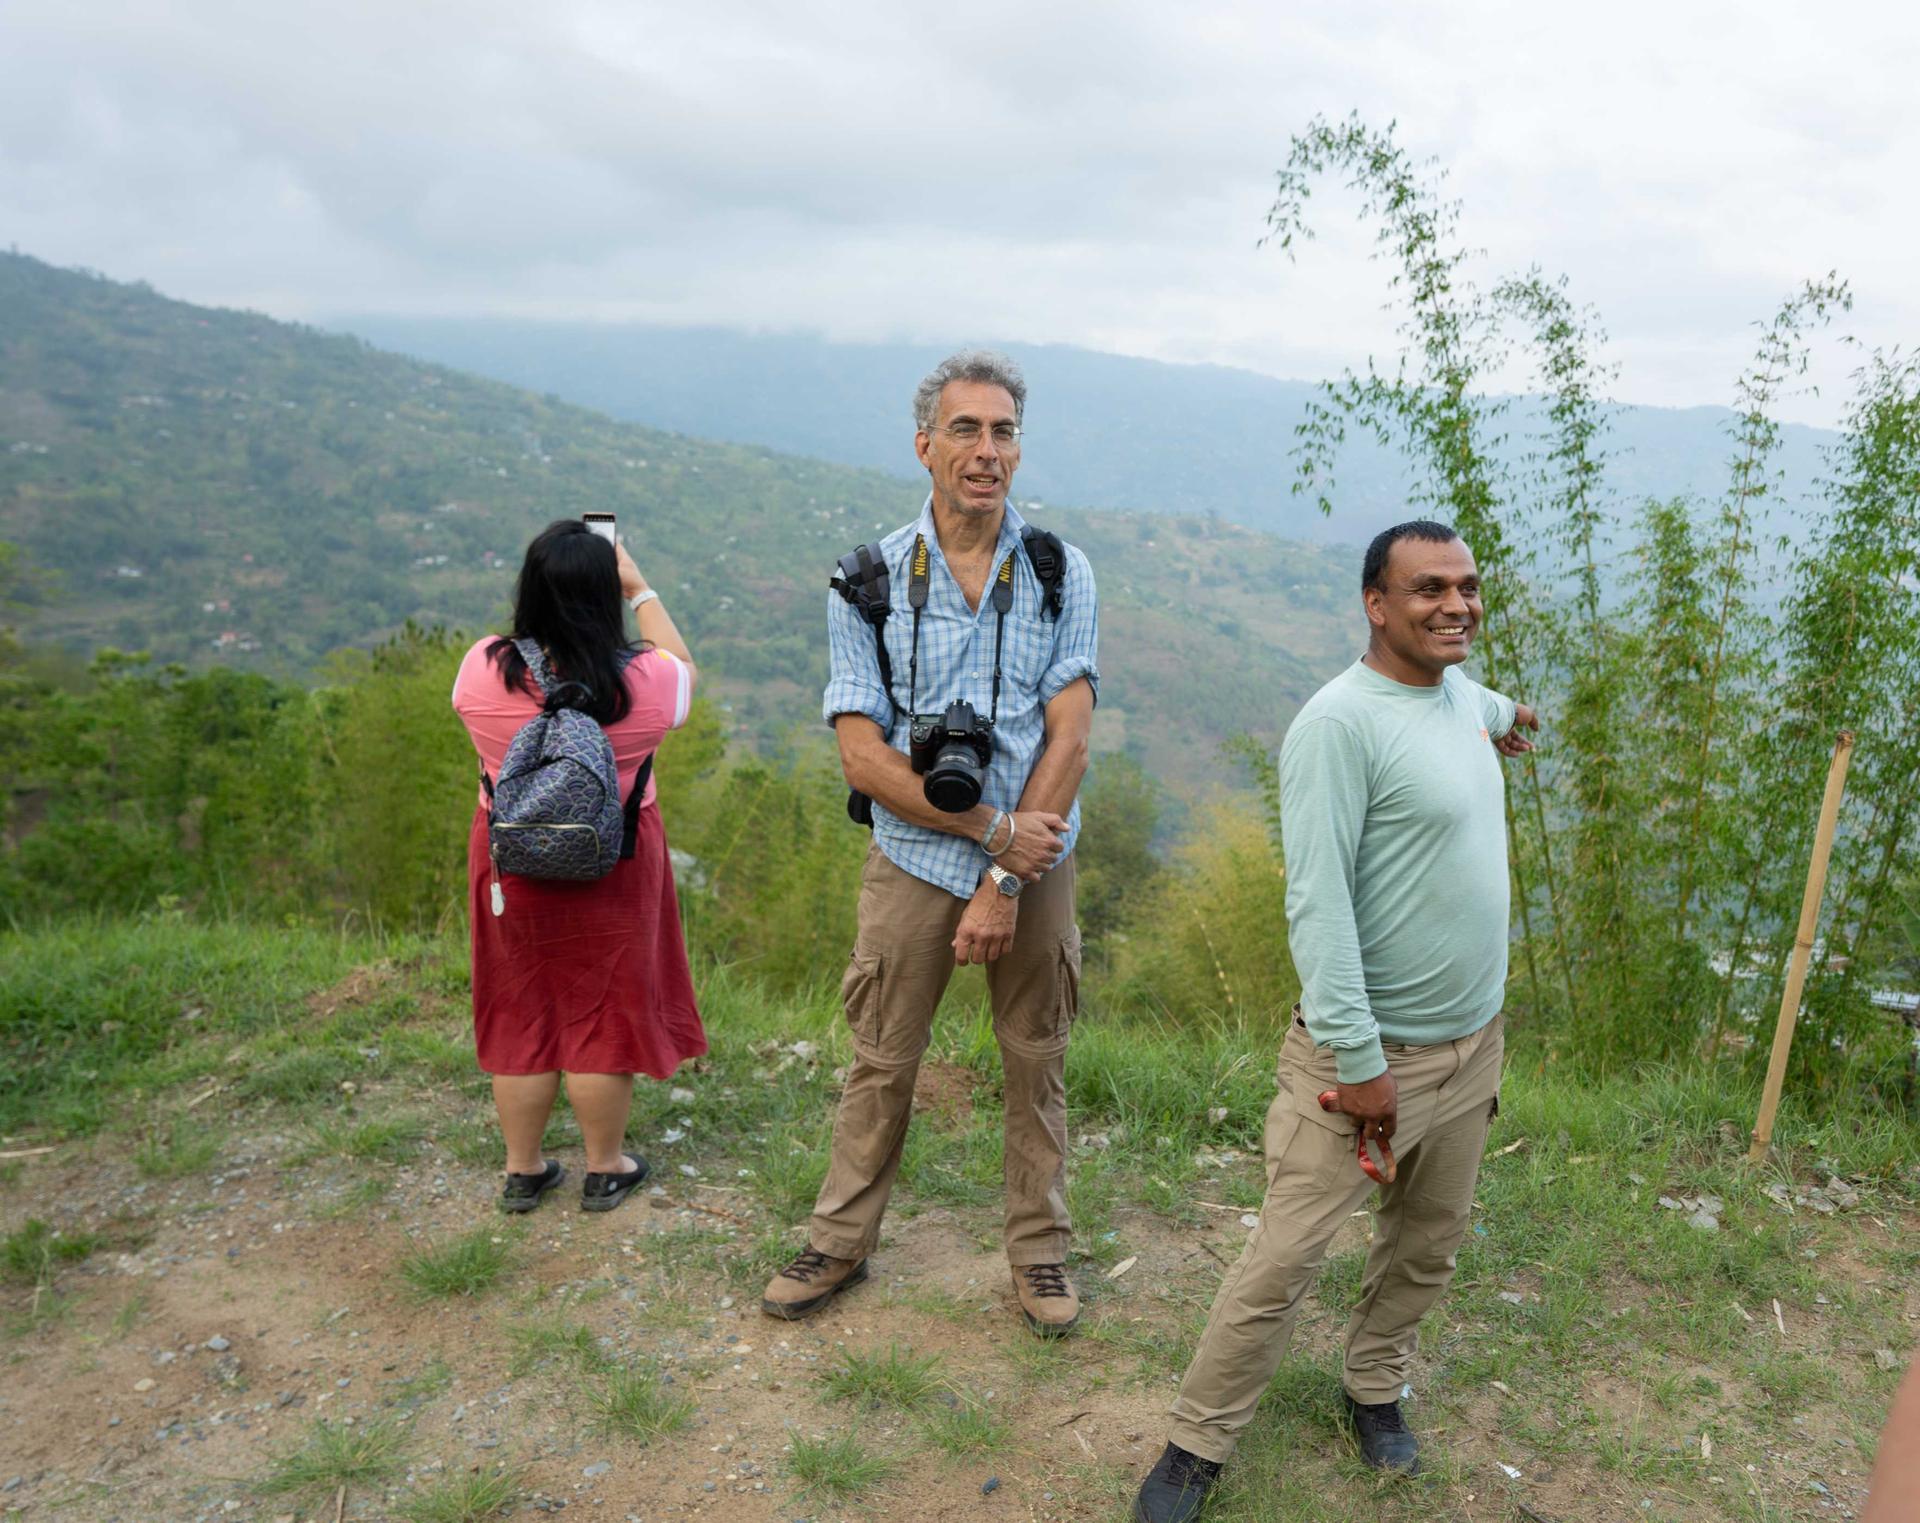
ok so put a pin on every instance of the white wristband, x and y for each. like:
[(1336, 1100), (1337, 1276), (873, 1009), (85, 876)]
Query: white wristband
[(646, 595)]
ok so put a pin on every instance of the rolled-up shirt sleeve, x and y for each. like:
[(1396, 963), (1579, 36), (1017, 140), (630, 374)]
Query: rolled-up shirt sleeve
[(1076, 635), (853, 668)]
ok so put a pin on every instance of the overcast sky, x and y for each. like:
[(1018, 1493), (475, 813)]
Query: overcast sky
[(1088, 174)]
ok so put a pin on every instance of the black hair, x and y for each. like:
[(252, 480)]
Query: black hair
[(568, 600), (1373, 569)]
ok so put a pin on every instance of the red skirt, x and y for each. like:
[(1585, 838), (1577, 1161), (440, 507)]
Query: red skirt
[(582, 977)]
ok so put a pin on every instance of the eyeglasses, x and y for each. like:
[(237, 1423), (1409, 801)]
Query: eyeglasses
[(966, 431)]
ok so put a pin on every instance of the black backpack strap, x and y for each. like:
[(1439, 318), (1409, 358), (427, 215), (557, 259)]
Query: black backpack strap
[(861, 578), (1048, 556), (630, 816)]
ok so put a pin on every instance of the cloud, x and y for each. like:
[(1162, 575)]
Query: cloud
[(1079, 173)]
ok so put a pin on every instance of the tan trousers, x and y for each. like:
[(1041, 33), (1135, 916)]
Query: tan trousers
[(900, 967), (1449, 1094)]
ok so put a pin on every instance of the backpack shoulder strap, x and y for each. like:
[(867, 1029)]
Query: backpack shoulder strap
[(1048, 556), (861, 579), (536, 660)]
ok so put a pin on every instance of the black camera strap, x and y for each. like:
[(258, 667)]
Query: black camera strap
[(917, 570), (1002, 601), (1002, 598)]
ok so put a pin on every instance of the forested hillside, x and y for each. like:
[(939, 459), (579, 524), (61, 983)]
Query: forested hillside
[(218, 487)]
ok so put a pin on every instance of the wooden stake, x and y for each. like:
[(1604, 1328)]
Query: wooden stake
[(1802, 946)]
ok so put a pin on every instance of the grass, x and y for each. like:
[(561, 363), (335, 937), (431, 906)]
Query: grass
[(789, 1165), (335, 1454), (970, 1426), (474, 1140), (381, 1139), (424, 1385), (33, 1253), (836, 1469), (91, 1011), (895, 1378), (129, 1316), (177, 1151), (464, 1499), (356, 1196), (629, 1403), (461, 1266), (297, 1077), (556, 1342)]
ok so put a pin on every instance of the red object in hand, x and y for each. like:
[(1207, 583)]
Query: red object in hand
[(1382, 1172)]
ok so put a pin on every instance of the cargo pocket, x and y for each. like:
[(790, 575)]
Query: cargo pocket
[(1066, 1004), (860, 994), (1307, 1148)]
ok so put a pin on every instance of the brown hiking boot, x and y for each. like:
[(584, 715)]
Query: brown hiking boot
[(808, 1283), (1047, 1298)]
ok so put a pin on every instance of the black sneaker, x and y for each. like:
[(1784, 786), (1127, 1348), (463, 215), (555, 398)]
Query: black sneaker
[(1176, 1488), (525, 1191), (1386, 1442)]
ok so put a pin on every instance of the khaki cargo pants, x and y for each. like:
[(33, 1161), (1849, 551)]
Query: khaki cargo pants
[(901, 963), (1449, 1094)]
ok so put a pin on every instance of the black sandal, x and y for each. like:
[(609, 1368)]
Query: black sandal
[(524, 1191), (602, 1192)]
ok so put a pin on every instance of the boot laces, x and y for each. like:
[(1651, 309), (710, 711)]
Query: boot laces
[(806, 1265), (1046, 1279), (1385, 1417), (1187, 1469)]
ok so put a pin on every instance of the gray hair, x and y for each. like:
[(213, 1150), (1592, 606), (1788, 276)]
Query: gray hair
[(982, 365)]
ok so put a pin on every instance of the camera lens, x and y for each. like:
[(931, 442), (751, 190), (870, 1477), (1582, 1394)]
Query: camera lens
[(955, 778)]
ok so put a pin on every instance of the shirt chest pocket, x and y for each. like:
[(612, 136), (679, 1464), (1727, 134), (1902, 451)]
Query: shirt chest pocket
[(1029, 650)]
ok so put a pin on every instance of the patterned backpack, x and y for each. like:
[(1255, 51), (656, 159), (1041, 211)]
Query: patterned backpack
[(555, 811)]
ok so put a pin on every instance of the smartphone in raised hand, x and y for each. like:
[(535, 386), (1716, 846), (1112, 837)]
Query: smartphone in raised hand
[(601, 524)]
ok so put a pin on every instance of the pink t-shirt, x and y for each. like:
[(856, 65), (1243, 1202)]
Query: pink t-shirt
[(658, 684)]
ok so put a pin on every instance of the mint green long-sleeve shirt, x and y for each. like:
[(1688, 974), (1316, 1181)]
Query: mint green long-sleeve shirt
[(1392, 817)]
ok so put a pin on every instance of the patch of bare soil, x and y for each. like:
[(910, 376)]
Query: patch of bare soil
[(945, 1089), (355, 989)]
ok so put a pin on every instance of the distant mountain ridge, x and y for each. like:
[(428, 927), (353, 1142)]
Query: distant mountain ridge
[(1105, 430), (213, 486)]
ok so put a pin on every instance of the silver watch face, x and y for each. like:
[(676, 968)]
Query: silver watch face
[(1008, 883)]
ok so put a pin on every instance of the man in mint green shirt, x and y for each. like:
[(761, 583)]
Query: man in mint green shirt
[(1393, 822)]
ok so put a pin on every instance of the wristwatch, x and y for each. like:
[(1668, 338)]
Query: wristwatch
[(1008, 883)]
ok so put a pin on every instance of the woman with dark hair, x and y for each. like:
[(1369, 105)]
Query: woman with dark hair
[(585, 979)]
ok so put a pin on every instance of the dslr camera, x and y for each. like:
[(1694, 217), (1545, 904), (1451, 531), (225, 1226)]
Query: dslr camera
[(952, 750)]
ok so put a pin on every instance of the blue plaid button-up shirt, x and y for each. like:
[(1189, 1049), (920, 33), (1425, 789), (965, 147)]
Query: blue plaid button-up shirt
[(1040, 657)]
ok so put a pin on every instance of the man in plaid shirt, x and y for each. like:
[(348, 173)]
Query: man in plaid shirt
[(993, 884)]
